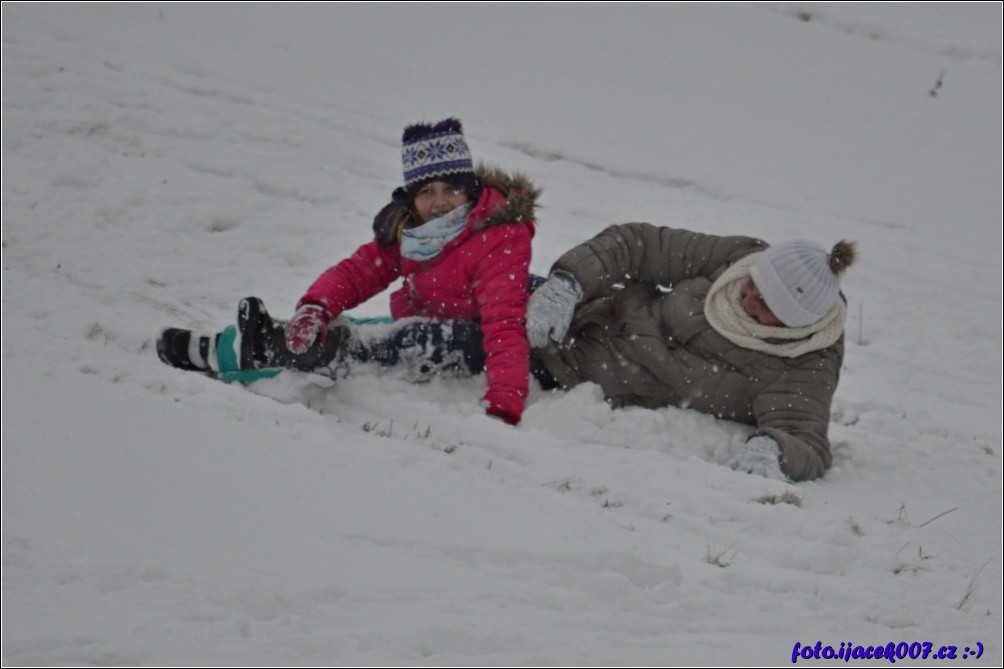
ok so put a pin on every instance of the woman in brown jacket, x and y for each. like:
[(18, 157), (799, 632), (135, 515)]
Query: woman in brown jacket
[(726, 325)]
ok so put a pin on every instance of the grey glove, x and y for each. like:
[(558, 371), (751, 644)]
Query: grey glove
[(760, 456), (550, 310)]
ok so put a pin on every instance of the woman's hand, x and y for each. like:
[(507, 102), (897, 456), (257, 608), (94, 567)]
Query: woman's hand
[(549, 313)]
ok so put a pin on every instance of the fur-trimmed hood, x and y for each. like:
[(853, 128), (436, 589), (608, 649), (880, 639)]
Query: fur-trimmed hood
[(520, 204)]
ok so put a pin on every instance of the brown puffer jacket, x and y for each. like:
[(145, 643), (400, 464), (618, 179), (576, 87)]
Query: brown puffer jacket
[(640, 333)]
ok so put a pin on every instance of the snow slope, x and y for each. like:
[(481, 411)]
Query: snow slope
[(162, 161)]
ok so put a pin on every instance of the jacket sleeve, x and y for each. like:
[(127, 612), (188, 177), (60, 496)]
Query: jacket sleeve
[(501, 294), (367, 272), (642, 252), (794, 410)]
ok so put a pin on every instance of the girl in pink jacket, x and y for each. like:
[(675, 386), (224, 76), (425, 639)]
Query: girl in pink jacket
[(458, 236)]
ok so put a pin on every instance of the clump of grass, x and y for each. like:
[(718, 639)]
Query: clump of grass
[(567, 485), (379, 431), (423, 434), (722, 558), (788, 497), (972, 586)]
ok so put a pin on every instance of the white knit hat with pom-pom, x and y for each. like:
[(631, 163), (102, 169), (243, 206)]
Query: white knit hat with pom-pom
[(800, 281)]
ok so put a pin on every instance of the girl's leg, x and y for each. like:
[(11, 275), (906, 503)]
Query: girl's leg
[(420, 348), (424, 348), (257, 342)]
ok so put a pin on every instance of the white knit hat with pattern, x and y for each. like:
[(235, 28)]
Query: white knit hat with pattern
[(798, 281)]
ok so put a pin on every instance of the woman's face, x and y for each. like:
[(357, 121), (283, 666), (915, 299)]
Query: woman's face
[(437, 198), (756, 306)]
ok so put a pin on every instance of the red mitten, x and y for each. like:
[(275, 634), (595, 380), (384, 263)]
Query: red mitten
[(308, 323)]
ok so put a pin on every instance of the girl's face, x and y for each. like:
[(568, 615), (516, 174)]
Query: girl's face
[(756, 306), (437, 198)]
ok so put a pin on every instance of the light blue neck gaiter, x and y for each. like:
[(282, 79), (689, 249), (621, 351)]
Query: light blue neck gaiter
[(427, 240)]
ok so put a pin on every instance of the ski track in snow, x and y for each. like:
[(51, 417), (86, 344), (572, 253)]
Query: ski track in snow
[(155, 517)]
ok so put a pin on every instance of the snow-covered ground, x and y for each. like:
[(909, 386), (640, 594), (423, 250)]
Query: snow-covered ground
[(162, 161)]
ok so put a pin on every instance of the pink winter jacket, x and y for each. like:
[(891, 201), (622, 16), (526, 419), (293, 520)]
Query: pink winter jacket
[(479, 276)]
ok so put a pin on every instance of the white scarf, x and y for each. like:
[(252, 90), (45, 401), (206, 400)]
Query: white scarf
[(427, 240), (724, 310)]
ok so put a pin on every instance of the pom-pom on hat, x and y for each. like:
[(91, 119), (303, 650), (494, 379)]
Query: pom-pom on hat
[(800, 281), (435, 153)]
